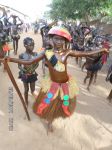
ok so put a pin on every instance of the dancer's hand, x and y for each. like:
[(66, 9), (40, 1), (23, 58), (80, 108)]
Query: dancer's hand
[(6, 59), (105, 50)]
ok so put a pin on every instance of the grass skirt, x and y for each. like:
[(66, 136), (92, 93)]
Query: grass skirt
[(54, 108)]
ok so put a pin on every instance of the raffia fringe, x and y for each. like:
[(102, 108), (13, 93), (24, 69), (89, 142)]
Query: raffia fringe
[(72, 86)]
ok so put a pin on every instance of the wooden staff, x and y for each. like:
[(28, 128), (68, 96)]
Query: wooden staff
[(16, 86), (1, 59)]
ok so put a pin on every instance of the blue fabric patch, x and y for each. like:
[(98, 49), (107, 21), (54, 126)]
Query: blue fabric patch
[(49, 95), (47, 100)]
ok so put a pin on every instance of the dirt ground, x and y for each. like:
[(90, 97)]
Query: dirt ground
[(89, 128)]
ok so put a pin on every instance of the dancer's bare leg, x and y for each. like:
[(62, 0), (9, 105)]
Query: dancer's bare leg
[(50, 127), (90, 81), (95, 76), (87, 76), (26, 89)]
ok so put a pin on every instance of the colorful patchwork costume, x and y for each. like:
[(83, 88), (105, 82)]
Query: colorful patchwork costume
[(56, 98)]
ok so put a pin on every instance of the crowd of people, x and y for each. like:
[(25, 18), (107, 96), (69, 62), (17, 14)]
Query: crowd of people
[(58, 92)]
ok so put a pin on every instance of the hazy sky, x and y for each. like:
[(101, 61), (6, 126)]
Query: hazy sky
[(32, 8)]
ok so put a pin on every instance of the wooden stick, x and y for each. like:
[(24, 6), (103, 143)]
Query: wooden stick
[(1, 59), (17, 89)]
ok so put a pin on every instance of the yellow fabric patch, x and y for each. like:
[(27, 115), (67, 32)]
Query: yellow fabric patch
[(59, 67), (49, 54)]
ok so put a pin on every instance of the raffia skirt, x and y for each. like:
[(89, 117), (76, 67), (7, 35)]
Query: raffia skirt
[(55, 107)]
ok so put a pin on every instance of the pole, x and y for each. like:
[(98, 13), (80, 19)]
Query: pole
[(17, 89)]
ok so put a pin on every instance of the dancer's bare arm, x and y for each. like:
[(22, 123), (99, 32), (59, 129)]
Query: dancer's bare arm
[(26, 62), (85, 54)]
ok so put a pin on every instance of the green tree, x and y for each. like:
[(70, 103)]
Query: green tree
[(80, 9)]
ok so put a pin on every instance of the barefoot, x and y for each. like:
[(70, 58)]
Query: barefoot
[(15, 53), (109, 99), (35, 94), (82, 70), (88, 88), (94, 82), (50, 128), (84, 82)]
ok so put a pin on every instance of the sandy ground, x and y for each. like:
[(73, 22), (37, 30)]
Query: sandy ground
[(89, 128)]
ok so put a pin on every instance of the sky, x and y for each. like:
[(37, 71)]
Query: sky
[(32, 8)]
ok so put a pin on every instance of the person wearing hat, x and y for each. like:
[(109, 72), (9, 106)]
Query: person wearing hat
[(57, 96)]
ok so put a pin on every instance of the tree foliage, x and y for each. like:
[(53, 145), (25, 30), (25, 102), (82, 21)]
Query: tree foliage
[(80, 9)]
